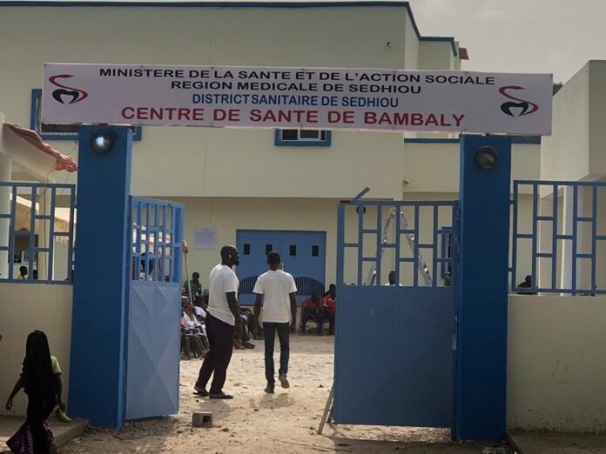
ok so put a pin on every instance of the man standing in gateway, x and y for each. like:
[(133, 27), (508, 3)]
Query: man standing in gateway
[(278, 289)]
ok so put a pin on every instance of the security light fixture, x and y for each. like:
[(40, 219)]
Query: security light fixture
[(486, 158), (102, 141)]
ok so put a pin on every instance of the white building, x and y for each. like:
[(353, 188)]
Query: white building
[(243, 182)]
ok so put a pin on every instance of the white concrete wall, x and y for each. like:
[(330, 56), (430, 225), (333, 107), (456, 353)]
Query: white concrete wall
[(565, 154), (556, 370), (23, 309), (228, 215), (435, 55), (194, 161), (435, 167), (597, 117), (245, 163), (575, 152), (412, 46), (60, 260)]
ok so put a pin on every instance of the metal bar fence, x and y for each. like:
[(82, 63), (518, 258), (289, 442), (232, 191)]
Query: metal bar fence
[(19, 239), (156, 240), (424, 251), (566, 247)]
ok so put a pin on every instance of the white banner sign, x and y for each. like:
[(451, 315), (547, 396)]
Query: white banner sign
[(312, 98)]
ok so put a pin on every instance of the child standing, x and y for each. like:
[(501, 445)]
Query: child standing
[(39, 383)]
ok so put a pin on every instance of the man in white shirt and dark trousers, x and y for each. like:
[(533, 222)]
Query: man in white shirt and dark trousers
[(278, 290), (223, 316)]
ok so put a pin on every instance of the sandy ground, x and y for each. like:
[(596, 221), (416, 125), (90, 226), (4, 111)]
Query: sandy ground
[(284, 422)]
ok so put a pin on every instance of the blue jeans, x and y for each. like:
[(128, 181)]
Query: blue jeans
[(316, 316), (269, 336)]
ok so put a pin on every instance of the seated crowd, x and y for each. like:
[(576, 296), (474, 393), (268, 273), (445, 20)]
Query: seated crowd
[(319, 310), (194, 341)]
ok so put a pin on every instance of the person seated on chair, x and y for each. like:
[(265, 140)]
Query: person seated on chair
[(195, 284), (526, 284), (199, 309), (311, 308), (189, 317), (191, 323), (329, 307), (242, 342)]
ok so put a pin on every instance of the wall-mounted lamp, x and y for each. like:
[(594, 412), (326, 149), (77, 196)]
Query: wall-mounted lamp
[(102, 141), (486, 158)]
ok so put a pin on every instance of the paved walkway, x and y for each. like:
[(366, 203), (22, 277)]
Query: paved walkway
[(64, 432)]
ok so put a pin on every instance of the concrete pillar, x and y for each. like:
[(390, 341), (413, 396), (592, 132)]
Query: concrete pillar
[(481, 373), (98, 353)]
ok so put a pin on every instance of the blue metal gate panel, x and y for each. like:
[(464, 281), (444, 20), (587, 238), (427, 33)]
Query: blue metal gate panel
[(394, 361), (394, 350), (154, 308), (153, 349)]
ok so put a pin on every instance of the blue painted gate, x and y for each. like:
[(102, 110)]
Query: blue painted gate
[(394, 352), (154, 302)]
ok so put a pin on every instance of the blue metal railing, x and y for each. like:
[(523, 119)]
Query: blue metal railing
[(157, 240), (20, 240), (412, 231), (563, 236)]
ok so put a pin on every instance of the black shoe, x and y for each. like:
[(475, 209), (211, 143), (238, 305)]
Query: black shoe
[(283, 381), (249, 345), (220, 396), (269, 389), (200, 392)]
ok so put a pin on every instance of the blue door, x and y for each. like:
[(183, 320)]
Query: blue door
[(303, 254)]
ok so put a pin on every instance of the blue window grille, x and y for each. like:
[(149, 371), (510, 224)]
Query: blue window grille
[(26, 226), (302, 138), (564, 239), (56, 131), (407, 237), (156, 240)]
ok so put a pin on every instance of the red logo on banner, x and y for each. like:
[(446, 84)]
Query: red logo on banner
[(518, 107), (66, 94)]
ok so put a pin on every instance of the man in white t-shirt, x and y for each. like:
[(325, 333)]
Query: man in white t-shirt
[(223, 317), (278, 289)]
